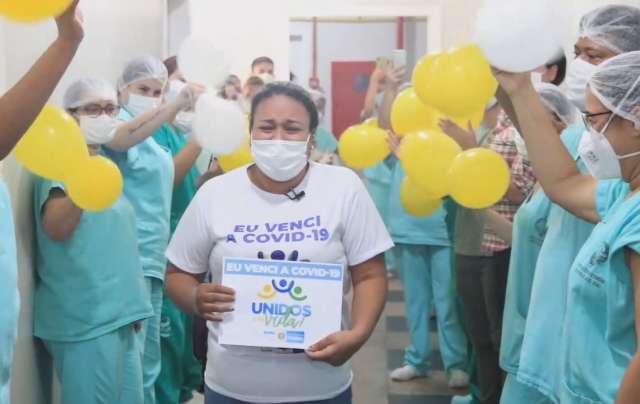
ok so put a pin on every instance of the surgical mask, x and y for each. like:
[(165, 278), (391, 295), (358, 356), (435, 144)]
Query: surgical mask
[(100, 130), (184, 121), (139, 104), (536, 78), (267, 78), (280, 160), (580, 73), (597, 153)]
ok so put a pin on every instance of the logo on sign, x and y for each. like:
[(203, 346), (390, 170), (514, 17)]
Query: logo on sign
[(270, 291)]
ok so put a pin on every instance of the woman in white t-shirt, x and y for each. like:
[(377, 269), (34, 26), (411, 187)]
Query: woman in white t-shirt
[(234, 216)]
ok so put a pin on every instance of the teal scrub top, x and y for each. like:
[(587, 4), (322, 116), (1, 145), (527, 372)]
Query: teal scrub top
[(326, 142), (148, 172), (174, 140), (599, 338), (92, 283), (9, 297), (529, 231), (407, 229), (540, 356)]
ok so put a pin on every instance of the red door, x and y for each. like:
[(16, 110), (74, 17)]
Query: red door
[(349, 84)]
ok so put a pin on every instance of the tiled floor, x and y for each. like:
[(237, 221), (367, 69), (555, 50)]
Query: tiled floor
[(383, 352)]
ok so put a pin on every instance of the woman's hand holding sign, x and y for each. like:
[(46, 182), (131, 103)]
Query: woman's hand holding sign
[(337, 348), (211, 301)]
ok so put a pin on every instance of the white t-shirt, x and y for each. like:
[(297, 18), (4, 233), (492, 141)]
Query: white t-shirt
[(231, 217)]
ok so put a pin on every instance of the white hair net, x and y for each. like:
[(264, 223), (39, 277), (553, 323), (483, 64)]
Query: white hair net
[(616, 83), (87, 90), (143, 68), (616, 27), (555, 99)]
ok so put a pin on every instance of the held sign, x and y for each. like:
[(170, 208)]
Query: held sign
[(281, 304)]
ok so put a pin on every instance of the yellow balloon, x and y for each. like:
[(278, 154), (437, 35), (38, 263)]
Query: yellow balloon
[(416, 201), (479, 178), (32, 10), (237, 159), (373, 121), (457, 82), (409, 114), (52, 144), (463, 122), (426, 158), (363, 146), (95, 184)]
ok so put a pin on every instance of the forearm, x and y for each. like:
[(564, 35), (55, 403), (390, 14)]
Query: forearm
[(369, 101), (181, 288), (630, 389), (20, 106), (140, 128), (385, 109), (184, 161), (370, 295)]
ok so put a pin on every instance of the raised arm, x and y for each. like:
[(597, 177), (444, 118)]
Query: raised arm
[(20, 106), (553, 165)]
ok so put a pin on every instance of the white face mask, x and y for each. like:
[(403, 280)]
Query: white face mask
[(580, 73), (280, 160), (184, 121), (139, 104), (601, 160), (100, 130)]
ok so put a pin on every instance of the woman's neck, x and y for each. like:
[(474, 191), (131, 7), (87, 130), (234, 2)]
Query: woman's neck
[(259, 179)]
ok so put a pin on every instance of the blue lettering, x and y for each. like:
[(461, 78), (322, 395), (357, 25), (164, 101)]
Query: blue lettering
[(296, 225), (283, 227), (249, 238), (270, 228), (306, 311), (297, 236), (252, 229), (253, 308), (309, 222), (278, 237), (231, 238), (263, 238), (238, 229)]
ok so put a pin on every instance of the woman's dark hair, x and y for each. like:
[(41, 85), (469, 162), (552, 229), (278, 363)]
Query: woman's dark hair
[(561, 64), (292, 91)]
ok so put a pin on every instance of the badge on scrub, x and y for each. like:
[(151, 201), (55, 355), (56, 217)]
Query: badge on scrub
[(281, 304)]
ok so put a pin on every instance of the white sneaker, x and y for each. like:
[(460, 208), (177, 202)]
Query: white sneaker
[(458, 379), (406, 373)]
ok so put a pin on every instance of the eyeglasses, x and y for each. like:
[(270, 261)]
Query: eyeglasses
[(95, 110), (586, 118)]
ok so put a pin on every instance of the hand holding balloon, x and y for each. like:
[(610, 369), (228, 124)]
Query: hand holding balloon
[(189, 95), (513, 83), (70, 24)]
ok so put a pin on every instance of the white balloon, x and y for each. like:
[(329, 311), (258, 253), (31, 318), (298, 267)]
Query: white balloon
[(519, 35), (218, 125), (201, 62)]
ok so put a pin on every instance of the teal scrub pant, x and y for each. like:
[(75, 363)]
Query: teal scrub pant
[(425, 272), (516, 392), (380, 194), (181, 372), (103, 370), (149, 341)]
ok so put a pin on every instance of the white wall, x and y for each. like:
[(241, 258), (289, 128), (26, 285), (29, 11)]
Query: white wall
[(116, 30), (179, 25), (349, 41)]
